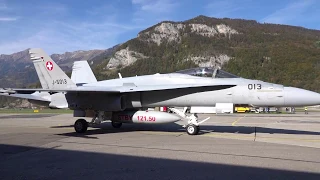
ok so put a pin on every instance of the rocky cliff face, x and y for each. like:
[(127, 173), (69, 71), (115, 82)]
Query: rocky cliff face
[(209, 61), (164, 31), (123, 58), (171, 32), (203, 30)]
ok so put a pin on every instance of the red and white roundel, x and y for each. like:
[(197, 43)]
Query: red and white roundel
[(49, 65)]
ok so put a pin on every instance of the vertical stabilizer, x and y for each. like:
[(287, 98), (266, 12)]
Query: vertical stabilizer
[(82, 73), (50, 74)]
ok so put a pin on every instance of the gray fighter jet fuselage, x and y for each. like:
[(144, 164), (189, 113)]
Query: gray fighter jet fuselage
[(124, 97), (216, 90)]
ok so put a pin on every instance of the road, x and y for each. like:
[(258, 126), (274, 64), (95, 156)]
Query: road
[(242, 146)]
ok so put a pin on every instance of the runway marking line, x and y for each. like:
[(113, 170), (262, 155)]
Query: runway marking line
[(234, 123)]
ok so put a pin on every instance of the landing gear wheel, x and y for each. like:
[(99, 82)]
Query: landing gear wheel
[(81, 126), (116, 124), (192, 129), (198, 130)]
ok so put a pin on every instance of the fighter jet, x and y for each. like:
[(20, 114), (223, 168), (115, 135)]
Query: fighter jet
[(122, 100)]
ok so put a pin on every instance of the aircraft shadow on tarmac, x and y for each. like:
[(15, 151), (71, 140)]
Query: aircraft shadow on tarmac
[(41, 163), (107, 128)]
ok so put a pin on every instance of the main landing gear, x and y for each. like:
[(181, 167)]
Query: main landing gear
[(81, 125), (192, 127)]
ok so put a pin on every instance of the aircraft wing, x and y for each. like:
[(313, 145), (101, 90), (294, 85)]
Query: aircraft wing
[(126, 88), (173, 86)]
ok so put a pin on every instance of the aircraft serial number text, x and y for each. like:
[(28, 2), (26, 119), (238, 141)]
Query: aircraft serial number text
[(59, 81), (254, 86)]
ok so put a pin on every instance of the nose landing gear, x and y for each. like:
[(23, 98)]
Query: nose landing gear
[(192, 127)]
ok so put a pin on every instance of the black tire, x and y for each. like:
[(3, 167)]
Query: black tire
[(192, 129), (198, 130), (81, 126), (116, 124)]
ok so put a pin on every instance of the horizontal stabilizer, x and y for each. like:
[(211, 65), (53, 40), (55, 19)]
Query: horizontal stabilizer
[(25, 96)]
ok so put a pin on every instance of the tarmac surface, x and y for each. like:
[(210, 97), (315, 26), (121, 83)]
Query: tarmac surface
[(241, 146)]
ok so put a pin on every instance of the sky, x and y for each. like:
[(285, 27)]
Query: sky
[(58, 26)]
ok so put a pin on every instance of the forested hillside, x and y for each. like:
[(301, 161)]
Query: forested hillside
[(276, 53)]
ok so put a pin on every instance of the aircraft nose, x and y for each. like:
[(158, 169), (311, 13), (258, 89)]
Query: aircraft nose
[(300, 97)]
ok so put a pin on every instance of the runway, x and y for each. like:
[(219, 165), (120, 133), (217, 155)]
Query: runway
[(241, 146)]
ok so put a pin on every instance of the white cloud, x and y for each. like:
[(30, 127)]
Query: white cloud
[(291, 12), (98, 28), (156, 6), (223, 8), (140, 1), (53, 42), (149, 12), (220, 5), (57, 29), (8, 19), (106, 9), (60, 36)]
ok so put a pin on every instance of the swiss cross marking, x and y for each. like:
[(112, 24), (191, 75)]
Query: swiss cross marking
[(49, 65)]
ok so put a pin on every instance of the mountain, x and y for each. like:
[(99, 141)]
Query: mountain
[(16, 70), (275, 53), (282, 54)]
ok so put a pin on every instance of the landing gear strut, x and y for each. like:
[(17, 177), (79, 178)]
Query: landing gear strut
[(98, 118), (81, 126), (192, 127)]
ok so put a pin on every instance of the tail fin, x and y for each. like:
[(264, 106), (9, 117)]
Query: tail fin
[(50, 74), (82, 73)]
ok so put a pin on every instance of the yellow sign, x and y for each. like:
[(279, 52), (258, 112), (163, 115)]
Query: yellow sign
[(242, 109)]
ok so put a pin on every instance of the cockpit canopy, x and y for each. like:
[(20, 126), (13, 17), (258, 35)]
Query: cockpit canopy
[(208, 72)]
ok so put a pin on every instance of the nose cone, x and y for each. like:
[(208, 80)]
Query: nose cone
[(300, 97)]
